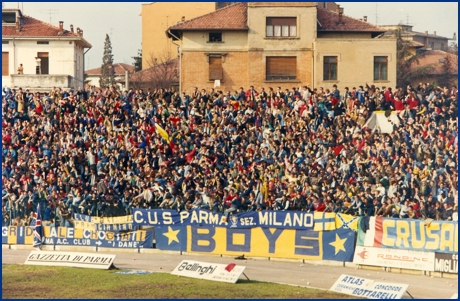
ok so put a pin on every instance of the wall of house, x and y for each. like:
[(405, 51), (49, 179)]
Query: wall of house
[(65, 58), (257, 69), (306, 27), (355, 64), (346, 35), (436, 43), (231, 41), (157, 17), (195, 71)]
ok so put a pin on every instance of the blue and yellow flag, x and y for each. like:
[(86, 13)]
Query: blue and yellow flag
[(324, 221), (339, 245), (347, 221), (172, 238)]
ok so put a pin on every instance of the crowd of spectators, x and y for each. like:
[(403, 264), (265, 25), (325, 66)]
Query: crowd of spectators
[(104, 152)]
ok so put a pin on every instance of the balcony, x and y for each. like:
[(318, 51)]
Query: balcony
[(42, 82)]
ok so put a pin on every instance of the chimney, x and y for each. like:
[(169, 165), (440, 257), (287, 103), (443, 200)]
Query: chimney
[(81, 32), (78, 31), (339, 10), (18, 24), (71, 28), (61, 26), (183, 18), (365, 18), (426, 32), (434, 33)]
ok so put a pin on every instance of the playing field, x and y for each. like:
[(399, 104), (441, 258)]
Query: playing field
[(21, 281)]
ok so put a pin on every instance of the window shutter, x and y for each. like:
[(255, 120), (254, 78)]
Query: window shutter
[(5, 63), (215, 68), (281, 67)]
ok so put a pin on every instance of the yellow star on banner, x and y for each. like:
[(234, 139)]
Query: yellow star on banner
[(338, 244), (171, 235)]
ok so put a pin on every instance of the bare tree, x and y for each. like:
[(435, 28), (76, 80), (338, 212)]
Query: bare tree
[(162, 72)]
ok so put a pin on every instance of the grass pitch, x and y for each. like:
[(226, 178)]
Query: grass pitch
[(43, 282)]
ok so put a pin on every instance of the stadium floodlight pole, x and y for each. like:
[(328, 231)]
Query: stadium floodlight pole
[(180, 59)]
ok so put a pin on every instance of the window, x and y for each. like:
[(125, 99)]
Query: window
[(44, 63), (5, 63), (330, 68), (215, 68), (442, 46), (5, 42), (281, 27), (215, 37), (9, 17), (281, 68), (43, 42), (381, 68)]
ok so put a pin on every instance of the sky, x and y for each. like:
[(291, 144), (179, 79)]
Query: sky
[(121, 20)]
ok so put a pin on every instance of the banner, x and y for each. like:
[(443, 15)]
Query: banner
[(367, 288), (104, 220), (324, 221), (260, 242), (347, 221), (19, 235), (209, 271), (245, 220), (103, 227), (4, 235), (94, 238), (410, 234), (394, 258), (71, 259), (446, 263)]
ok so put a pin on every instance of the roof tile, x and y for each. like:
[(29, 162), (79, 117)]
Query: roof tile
[(433, 57), (329, 22), (31, 27), (120, 69), (232, 17)]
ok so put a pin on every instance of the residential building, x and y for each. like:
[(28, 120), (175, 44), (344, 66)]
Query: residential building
[(157, 17), (287, 44), (60, 53), (429, 41), (92, 76), (442, 68)]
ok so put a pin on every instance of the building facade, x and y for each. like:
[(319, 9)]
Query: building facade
[(92, 76), (58, 53), (428, 40), (271, 44)]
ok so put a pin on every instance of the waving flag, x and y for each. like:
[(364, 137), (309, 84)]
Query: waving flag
[(38, 230), (162, 132)]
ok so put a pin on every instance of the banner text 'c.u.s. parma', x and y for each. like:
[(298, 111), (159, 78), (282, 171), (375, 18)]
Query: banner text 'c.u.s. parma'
[(246, 220)]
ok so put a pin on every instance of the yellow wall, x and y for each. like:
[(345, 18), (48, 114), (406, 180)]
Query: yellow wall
[(355, 61), (157, 17), (306, 27), (198, 40)]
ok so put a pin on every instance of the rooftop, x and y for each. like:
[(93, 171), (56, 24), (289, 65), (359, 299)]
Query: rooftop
[(436, 59), (329, 21), (232, 17), (120, 69), (30, 27)]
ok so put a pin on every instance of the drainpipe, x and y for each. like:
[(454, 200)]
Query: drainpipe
[(180, 60), (14, 57), (313, 65), (83, 85)]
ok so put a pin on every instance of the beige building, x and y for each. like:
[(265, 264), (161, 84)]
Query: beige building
[(157, 17), (288, 44), (431, 41)]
